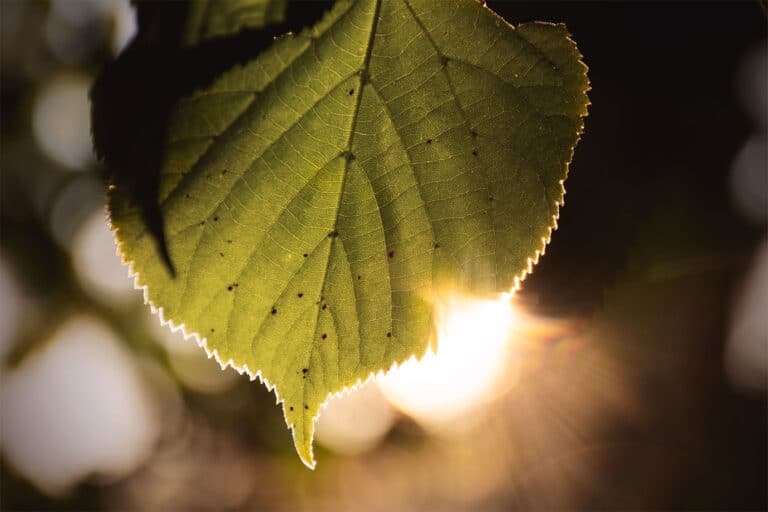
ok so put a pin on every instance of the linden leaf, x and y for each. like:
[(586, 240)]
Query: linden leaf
[(317, 198), (209, 19)]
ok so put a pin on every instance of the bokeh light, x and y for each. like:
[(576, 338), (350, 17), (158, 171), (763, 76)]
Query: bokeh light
[(75, 28), (73, 205), (61, 120), (749, 170), (12, 307), (355, 422), (76, 406), (749, 179), (752, 84), (746, 354), (125, 24), (97, 264)]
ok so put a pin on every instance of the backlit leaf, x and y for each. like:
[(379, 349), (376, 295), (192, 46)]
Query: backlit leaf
[(317, 199)]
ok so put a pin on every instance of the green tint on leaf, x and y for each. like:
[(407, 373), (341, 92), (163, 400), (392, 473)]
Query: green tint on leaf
[(209, 19), (318, 198)]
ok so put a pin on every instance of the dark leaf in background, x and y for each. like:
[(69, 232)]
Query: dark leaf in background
[(134, 95)]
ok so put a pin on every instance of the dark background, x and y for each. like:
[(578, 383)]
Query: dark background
[(652, 254), (648, 186)]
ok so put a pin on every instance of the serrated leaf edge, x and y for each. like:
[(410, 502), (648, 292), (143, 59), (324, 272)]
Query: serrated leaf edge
[(257, 375)]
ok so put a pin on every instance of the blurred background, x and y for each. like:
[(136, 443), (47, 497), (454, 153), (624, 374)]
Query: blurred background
[(629, 373)]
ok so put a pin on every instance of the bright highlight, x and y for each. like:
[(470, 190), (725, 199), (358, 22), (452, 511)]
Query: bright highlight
[(471, 359)]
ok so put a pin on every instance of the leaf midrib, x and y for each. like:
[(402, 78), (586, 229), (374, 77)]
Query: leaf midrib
[(364, 80), (363, 73)]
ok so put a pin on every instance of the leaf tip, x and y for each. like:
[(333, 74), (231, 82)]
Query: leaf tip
[(303, 433), (305, 454)]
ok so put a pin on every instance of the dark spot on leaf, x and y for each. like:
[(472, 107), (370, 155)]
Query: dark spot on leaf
[(274, 311), (213, 330), (187, 196), (224, 172), (230, 287), (324, 306), (221, 254), (333, 234), (306, 406), (444, 60), (429, 141), (202, 223), (306, 255), (351, 92), (389, 335), (300, 295), (216, 219), (391, 254), (304, 370), (473, 133), (324, 336), (359, 277), (437, 245), (229, 241), (290, 408), (490, 198), (474, 152)]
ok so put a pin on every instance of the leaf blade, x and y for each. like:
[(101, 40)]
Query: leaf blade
[(373, 162)]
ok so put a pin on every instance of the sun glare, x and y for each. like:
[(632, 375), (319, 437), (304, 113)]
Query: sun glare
[(473, 349)]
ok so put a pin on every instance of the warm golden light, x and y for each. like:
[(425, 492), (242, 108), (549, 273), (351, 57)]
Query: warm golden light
[(356, 422), (473, 349)]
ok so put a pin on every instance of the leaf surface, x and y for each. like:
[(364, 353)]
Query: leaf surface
[(317, 199), (209, 19)]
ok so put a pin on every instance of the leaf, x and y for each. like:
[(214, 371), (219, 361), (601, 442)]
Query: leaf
[(319, 198), (180, 47), (209, 19)]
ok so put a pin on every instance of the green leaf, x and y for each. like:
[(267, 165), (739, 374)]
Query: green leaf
[(209, 19), (318, 199)]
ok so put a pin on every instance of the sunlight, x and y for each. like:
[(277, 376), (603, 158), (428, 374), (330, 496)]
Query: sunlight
[(471, 360)]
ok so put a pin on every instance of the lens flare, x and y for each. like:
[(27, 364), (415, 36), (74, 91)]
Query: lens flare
[(473, 351)]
